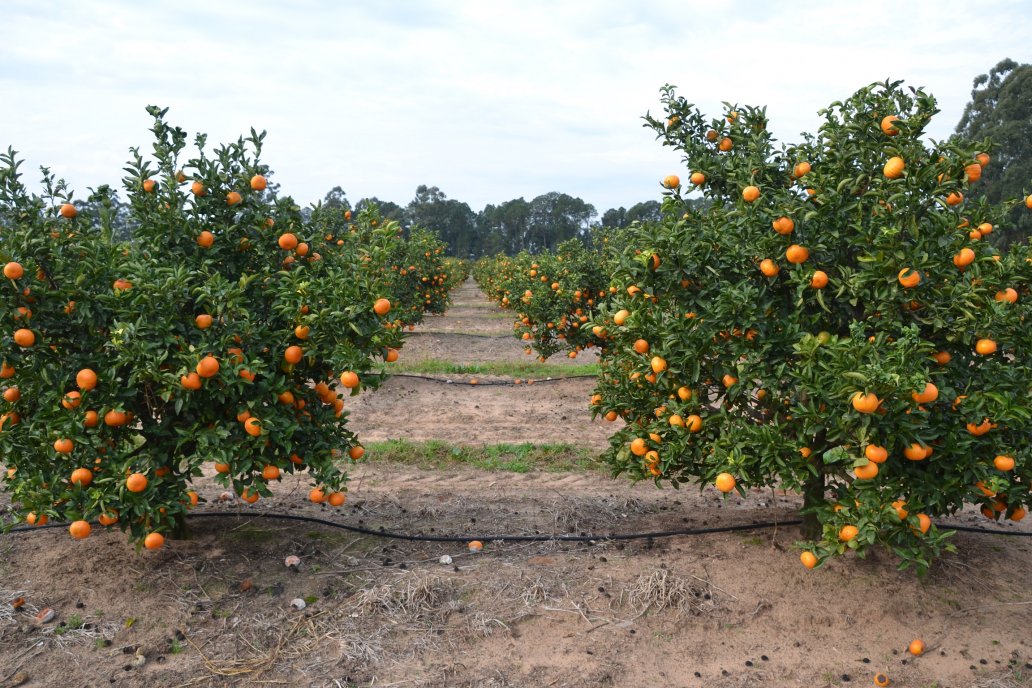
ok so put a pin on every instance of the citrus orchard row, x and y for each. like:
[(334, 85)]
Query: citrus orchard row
[(832, 322), (229, 330)]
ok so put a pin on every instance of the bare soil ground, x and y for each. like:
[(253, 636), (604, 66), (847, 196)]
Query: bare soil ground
[(726, 610)]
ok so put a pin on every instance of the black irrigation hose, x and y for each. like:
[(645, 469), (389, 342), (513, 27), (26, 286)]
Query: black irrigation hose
[(520, 538), (505, 383)]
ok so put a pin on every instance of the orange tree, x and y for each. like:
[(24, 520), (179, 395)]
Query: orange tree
[(831, 324), (553, 295), (214, 336)]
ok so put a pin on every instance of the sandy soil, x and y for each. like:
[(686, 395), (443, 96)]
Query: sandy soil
[(726, 610)]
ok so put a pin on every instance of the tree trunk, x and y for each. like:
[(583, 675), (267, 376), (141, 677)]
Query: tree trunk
[(813, 496)]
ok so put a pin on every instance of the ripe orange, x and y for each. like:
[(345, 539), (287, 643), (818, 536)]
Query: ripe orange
[(725, 144), (191, 381), (392, 355), (725, 482), (659, 364), (909, 277), (68, 211), (197, 188), (91, 419), (916, 647), (750, 194), (985, 347), (926, 396), (64, 446), (955, 198), (71, 400), (12, 394), (1008, 295), (335, 499), (149, 185), (301, 331), (270, 472), (13, 270), (819, 279), (6, 371), (1004, 463), (942, 357), (847, 533), (115, 418), (208, 367), (258, 183), (697, 178), (233, 198), (809, 559), (620, 317), (82, 477), (783, 225), (316, 495), (916, 451), (203, 321), (881, 680), (923, 523), (866, 472), (293, 354), (980, 429), (671, 181), (137, 482), (349, 379), (108, 519), (797, 254), (221, 467), (154, 541), (693, 423), (865, 403), (638, 446), (249, 495), (382, 306), (801, 169), (253, 426), (641, 346), (964, 258), (356, 452), (876, 454), (80, 529), (887, 125), (894, 168), (287, 241), (86, 379), (769, 268), (24, 337), (729, 380), (972, 172)]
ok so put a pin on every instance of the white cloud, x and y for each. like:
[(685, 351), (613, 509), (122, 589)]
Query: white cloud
[(488, 101)]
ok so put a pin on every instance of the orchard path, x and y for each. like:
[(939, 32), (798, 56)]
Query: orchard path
[(476, 332)]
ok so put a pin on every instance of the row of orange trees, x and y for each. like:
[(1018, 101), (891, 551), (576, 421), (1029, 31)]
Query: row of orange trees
[(230, 330), (833, 322)]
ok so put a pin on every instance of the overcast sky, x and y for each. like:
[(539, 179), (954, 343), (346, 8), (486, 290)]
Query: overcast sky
[(487, 100)]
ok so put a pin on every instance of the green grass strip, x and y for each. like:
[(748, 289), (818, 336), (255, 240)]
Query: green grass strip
[(531, 369), (511, 458)]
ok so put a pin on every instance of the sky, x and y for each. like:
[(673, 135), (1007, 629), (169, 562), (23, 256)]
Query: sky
[(488, 101)]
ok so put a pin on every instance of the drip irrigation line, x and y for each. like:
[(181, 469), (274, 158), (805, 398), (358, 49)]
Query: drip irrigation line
[(488, 383), (650, 535)]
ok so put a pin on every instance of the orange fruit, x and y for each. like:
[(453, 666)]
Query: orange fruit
[(797, 254), (866, 472), (356, 452), (108, 519), (115, 418), (71, 400), (865, 403), (349, 379), (205, 239), (729, 380), (909, 277), (769, 268), (916, 451), (725, 482), (955, 198), (916, 647), (137, 482), (942, 357), (750, 194), (253, 426), (641, 346), (887, 125), (287, 241), (208, 367), (809, 559), (82, 477), (335, 499), (197, 188), (233, 198), (980, 429), (6, 371), (1004, 463), (91, 419), (149, 185), (154, 541), (80, 529), (894, 168), (923, 523), (985, 347), (881, 680), (270, 472), (64, 446), (659, 364), (1007, 295), (900, 511), (819, 279), (316, 495), (926, 396), (876, 454), (392, 355), (638, 446), (964, 258), (697, 178), (382, 306), (68, 211), (783, 225), (693, 423), (301, 331), (293, 354), (203, 321), (191, 381), (24, 337), (14, 270), (725, 144), (801, 169), (12, 394), (86, 379), (671, 181), (847, 533), (258, 183), (620, 317), (972, 172), (193, 497), (1017, 513)]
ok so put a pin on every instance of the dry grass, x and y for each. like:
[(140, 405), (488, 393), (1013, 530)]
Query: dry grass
[(662, 590)]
